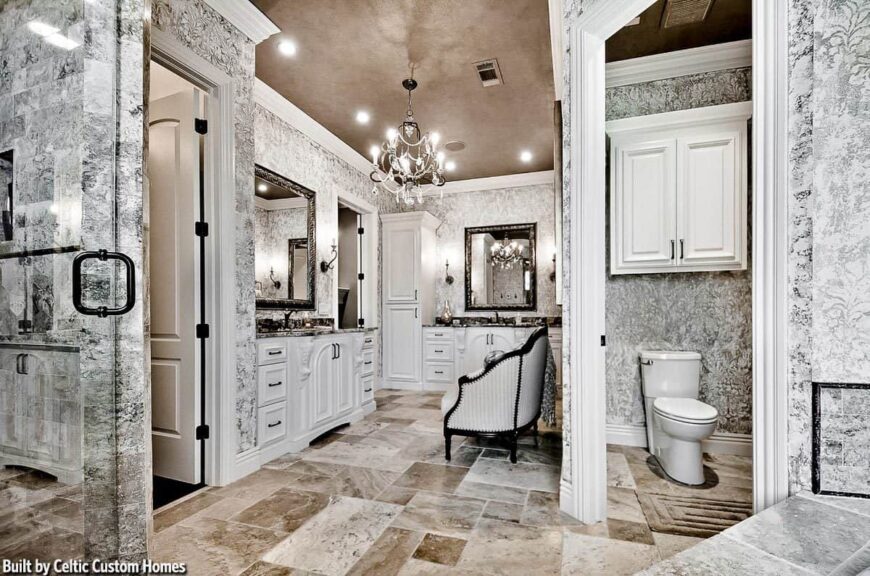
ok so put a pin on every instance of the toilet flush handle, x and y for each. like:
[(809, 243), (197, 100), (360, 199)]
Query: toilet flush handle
[(646, 362)]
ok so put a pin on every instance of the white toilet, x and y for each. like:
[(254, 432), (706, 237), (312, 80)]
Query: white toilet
[(676, 422)]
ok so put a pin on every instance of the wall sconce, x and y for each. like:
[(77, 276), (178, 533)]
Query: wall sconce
[(447, 277), (553, 273), (326, 266), (275, 282)]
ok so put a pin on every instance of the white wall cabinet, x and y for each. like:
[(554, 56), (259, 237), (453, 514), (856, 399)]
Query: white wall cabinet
[(408, 295), (679, 187)]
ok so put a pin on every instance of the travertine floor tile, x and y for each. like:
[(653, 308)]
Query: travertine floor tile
[(440, 549), (432, 477), (497, 547), (526, 476), (388, 554), (440, 513), (584, 554)]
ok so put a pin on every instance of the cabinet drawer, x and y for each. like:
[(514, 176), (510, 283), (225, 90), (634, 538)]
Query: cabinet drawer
[(272, 383), (369, 342), (272, 423), (439, 372), (367, 385), (368, 365), (433, 334), (439, 351), (270, 351)]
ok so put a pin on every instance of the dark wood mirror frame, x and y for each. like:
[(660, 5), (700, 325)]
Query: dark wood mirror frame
[(500, 229), (295, 303)]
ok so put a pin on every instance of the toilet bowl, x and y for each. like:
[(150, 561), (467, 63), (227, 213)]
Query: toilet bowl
[(676, 421)]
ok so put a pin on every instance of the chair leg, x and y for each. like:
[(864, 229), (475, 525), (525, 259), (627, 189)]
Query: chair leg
[(514, 448), (447, 446)]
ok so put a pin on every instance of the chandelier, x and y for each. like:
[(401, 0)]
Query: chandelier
[(408, 159), (506, 253)]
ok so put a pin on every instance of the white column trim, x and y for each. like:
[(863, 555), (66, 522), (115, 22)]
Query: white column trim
[(246, 17), (770, 252), (680, 63)]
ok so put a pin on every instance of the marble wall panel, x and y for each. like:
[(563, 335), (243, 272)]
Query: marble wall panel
[(844, 440)]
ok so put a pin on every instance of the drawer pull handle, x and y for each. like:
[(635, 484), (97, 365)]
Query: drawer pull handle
[(439, 351), (367, 390), (438, 333), (273, 384), (369, 362), (274, 352), (368, 340), (278, 423), (439, 372)]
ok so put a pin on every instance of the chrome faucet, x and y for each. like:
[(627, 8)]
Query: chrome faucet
[(287, 320), (496, 317)]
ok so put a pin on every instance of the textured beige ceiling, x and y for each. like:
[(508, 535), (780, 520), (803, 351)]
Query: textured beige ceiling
[(353, 54)]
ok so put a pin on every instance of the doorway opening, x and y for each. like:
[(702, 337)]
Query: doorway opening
[(350, 270), (176, 281)]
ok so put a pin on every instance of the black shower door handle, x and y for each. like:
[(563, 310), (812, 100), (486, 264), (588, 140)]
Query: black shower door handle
[(103, 256)]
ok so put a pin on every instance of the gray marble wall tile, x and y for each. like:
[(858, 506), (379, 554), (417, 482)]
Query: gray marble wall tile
[(844, 463), (208, 34), (526, 204), (707, 312)]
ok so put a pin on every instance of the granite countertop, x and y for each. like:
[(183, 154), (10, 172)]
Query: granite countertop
[(295, 332), (804, 534)]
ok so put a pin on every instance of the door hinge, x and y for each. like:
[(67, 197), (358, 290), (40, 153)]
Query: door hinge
[(200, 125), (201, 229), (360, 230), (202, 432), (202, 331), (603, 340), (361, 276)]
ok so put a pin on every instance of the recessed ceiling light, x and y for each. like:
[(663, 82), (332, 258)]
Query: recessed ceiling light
[(526, 156), (262, 187), (41, 28), (450, 166), (287, 47), (363, 117)]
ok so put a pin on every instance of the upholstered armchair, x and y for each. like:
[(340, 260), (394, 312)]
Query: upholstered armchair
[(502, 399)]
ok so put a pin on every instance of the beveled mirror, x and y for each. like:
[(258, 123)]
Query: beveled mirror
[(284, 231), (500, 267)]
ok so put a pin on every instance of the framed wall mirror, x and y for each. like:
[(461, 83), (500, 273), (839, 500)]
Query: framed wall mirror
[(500, 268), (284, 232)]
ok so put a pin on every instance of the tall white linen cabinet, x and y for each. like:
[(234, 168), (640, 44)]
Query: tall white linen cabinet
[(409, 271)]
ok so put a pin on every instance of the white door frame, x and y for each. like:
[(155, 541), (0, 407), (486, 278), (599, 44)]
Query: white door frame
[(220, 193), (584, 496)]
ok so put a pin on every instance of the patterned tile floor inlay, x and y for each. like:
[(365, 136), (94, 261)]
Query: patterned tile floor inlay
[(377, 498)]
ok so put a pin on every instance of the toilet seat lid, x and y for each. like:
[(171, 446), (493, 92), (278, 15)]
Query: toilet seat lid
[(685, 409)]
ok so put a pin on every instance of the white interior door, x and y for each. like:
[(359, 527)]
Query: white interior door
[(173, 173), (709, 199), (643, 205)]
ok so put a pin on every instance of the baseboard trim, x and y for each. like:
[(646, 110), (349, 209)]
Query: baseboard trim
[(247, 462), (718, 443)]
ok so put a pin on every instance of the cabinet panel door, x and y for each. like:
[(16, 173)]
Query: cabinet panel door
[(709, 199), (401, 264), (643, 205), (476, 349), (344, 378), (323, 369), (502, 339), (402, 343)]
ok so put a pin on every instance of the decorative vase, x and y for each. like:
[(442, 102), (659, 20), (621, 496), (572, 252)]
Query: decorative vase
[(446, 314)]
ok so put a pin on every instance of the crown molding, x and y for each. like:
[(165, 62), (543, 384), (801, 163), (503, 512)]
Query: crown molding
[(679, 63), (246, 17), (492, 183), (268, 98), (280, 203)]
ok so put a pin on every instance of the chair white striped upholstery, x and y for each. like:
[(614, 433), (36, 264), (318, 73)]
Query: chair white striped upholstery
[(502, 399)]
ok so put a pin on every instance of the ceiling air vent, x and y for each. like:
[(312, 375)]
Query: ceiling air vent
[(488, 72), (680, 12)]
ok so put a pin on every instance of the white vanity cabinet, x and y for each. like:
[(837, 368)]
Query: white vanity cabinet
[(481, 341), (309, 385), (408, 294), (679, 187)]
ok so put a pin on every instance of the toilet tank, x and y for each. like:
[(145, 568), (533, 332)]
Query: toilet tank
[(670, 374)]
